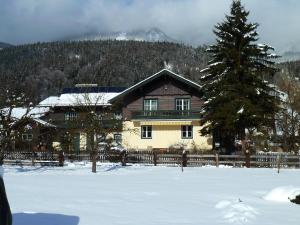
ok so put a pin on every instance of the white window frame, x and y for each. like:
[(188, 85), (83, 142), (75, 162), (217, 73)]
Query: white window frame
[(146, 132), (151, 104), (71, 116), (187, 132), (182, 104)]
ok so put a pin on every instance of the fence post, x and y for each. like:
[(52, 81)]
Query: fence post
[(61, 158), (123, 158), (155, 158), (33, 158), (184, 158), (247, 158), (278, 162), (217, 160)]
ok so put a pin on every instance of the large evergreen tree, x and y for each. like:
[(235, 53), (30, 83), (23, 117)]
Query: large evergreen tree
[(237, 94)]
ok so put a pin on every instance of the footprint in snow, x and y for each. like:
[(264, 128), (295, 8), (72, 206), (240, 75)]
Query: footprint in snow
[(236, 212)]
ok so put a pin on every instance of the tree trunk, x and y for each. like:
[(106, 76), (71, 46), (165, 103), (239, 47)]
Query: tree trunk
[(227, 142), (184, 158), (61, 158), (94, 161), (123, 158)]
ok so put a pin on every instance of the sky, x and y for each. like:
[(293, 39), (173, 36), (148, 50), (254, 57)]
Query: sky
[(188, 21)]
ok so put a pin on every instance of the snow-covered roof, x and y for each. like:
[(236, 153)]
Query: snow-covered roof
[(19, 112), (44, 123), (79, 99), (145, 81), (34, 113), (49, 102)]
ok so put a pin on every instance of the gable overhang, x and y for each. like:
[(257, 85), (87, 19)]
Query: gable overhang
[(153, 77)]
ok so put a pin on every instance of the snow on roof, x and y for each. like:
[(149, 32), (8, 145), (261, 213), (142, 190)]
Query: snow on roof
[(79, 99), (37, 112), (49, 102), (44, 123), (34, 113), (19, 112), (153, 76), (16, 113)]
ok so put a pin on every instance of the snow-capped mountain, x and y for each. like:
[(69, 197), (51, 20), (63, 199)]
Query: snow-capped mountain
[(151, 35)]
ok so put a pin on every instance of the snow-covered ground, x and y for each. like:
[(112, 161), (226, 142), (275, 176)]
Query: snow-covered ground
[(145, 195)]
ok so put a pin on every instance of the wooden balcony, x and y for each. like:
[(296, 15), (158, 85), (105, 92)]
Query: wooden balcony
[(166, 114)]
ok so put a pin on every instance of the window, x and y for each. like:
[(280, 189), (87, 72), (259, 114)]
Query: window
[(117, 115), (118, 138), (183, 104), (27, 137), (150, 104), (186, 132), (146, 132), (71, 116)]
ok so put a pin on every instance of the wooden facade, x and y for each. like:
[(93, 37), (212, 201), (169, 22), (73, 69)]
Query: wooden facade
[(166, 90)]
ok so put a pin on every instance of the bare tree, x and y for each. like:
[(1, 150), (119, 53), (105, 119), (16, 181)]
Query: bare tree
[(288, 119), (99, 121)]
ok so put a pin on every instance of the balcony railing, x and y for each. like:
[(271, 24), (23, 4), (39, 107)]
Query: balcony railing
[(81, 124), (166, 114)]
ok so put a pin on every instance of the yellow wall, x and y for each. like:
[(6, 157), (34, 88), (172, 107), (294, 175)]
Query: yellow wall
[(83, 140), (163, 136)]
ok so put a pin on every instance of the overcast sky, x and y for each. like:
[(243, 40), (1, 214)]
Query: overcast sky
[(190, 21)]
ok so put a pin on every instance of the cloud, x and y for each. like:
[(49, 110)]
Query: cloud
[(191, 21)]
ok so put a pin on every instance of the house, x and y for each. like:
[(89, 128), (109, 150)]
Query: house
[(25, 128), (70, 114), (162, 112)]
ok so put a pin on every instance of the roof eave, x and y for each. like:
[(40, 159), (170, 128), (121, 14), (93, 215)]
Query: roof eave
[(152, 77)]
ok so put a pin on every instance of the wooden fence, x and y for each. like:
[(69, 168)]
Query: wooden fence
[(273, 160)]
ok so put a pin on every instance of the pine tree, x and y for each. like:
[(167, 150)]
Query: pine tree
[(237, 94)]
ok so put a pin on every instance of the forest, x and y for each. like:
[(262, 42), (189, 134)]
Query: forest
[(44, 69)]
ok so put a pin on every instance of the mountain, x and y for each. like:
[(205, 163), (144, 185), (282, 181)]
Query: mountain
[(44, 69), (5, 45), (290, 56), (151, 35)]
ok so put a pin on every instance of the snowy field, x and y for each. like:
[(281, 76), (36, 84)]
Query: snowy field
[(141, 195)]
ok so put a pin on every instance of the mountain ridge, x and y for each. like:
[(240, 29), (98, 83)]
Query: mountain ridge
[(5, 45), (149, 35), (44, 69)]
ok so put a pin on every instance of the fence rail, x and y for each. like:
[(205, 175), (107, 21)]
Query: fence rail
[(274, 160)]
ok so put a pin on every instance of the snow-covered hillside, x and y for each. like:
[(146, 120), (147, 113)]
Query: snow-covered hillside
[(151, 35), (136, 195)]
